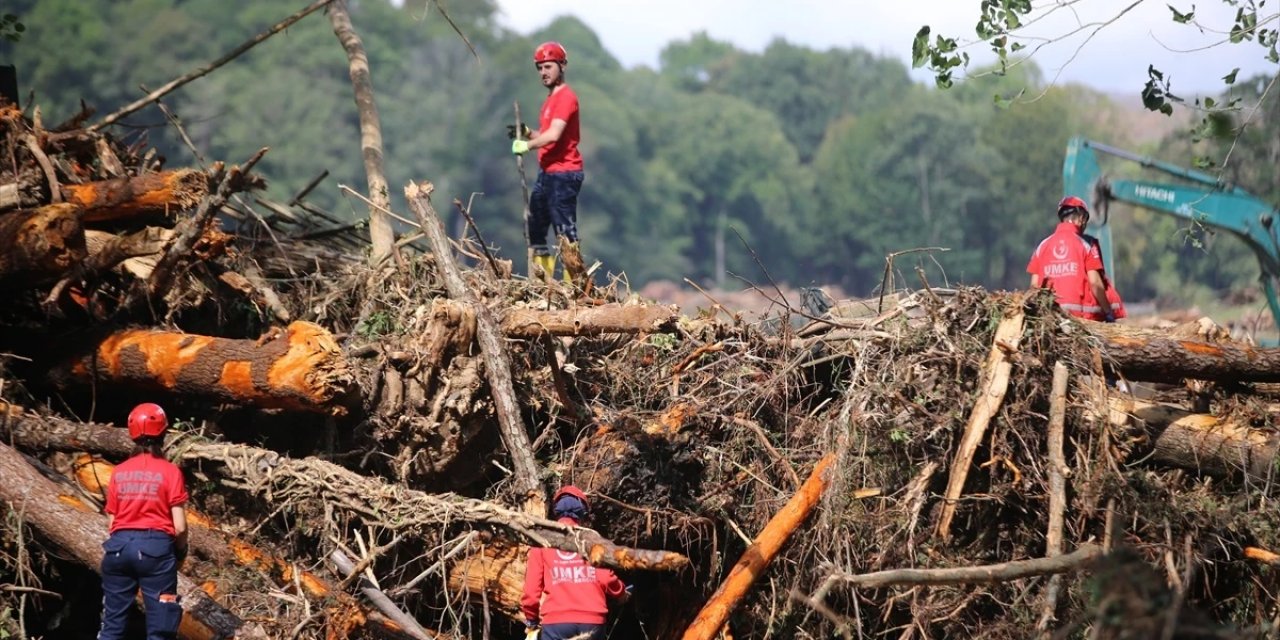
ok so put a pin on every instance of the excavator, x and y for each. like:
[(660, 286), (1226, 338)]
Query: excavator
[(1196, 197)]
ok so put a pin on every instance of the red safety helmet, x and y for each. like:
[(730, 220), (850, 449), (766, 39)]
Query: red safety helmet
[(147, 419), (550, 52), (1071, 203), (570, 490)]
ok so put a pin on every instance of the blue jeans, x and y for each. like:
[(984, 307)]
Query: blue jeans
[(567, 630), (554, 201), (133, 560)]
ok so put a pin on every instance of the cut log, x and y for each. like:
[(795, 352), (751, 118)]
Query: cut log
[(1152, 355), (77, 531), (494, 574), (607, 318), (164, 193), (40, 244), (760, 554), (1199, 442), (301, 368)]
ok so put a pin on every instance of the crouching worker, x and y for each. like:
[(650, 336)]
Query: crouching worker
[(564, 596), (147, 518)]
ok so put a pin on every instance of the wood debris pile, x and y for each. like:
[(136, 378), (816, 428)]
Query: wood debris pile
[(370, 451)]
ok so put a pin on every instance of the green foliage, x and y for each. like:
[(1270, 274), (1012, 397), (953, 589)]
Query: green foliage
[(11, 29), (378, 324)]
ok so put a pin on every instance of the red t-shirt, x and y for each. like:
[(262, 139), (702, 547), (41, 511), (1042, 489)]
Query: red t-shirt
[(575, 590), (142, 491), (1063, 262), (561, 155)]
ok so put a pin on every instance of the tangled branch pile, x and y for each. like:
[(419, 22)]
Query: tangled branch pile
[(376, 466)]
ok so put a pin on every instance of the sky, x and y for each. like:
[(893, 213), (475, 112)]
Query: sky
[(1115, 59)]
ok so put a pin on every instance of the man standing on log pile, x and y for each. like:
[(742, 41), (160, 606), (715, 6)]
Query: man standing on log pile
[(553, 203), (576, 601), (147, 518), (1070, 263)]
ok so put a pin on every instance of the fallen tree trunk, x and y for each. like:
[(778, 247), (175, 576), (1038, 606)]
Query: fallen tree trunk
[(262, 472), (77, 531), (583, 321), (40, 244), (1158, 356), (1197, 441), (162, 193), (301, 369)]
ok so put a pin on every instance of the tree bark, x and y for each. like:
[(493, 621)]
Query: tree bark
[(40, 244), (380, 231), (301, 368), (1057, 487), (150, 194), (1146, 354), (1199, 442), (495, 574), (77, 531), (582, 321), (497, 365), (760, 554), (991, 390)]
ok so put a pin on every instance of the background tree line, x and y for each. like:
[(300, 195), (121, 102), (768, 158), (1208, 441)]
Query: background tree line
[(822, 161)]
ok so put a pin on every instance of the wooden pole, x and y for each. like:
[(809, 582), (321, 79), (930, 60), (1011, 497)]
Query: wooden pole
[(995, 382), (1057, 487), (497, 365), (985, 574), (762, 551), (381, 234)]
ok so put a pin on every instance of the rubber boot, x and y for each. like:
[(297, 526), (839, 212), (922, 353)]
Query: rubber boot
[(548, 264)]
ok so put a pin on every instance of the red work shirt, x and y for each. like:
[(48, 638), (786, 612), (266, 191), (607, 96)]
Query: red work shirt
[(561, 155), (141, 493), (575, 591), (1063, 262)]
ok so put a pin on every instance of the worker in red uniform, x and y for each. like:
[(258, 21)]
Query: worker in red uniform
[(1070, 263), (147, 518), (563, 594), (553, 203)]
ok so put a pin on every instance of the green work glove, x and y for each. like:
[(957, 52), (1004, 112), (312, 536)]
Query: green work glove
[(519, 147), (525, 132)]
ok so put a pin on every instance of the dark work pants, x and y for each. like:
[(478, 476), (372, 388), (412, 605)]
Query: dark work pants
[(572, 630), (554, 202), (133, 560)]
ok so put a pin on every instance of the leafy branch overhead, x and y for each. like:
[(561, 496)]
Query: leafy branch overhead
[(10, 28), (1002, 26)]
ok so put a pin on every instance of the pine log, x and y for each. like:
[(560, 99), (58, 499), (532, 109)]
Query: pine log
[(40, 244), (49, 433), (582, 321), (164, 193), (760, 554), (493, 574), (77, 531), (1159, 356), (1199, 442), (301, 368)]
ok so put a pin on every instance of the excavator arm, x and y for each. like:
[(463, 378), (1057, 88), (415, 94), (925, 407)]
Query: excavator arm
[(1198, 197)]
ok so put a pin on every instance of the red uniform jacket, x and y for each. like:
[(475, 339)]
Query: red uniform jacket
[(1063, 261), (575, 591)]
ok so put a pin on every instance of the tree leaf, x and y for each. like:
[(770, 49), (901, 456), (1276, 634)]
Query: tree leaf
[(920, 47), (1183, 18), (1230, 78)]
